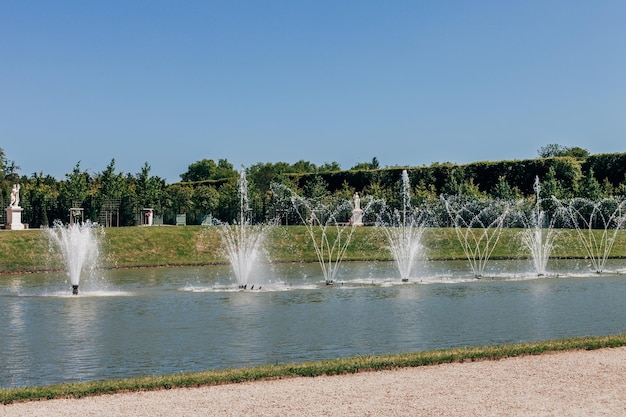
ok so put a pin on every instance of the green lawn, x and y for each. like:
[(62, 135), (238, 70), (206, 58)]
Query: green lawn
[(126, 247)]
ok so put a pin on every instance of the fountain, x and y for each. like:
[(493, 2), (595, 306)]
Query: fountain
[(79, 246), (403, 229), (539, 244), (478, 226), (242, 240), (597, 224), (330, 235)]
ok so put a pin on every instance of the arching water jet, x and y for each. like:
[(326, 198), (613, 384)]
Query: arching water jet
[(597, 224), (478, 226), (330, 226)]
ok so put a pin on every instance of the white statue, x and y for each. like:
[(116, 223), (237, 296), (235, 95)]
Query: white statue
[(15, 196), (357, 201)]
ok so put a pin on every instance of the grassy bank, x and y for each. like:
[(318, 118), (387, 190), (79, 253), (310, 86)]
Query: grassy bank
[(128, 247), (309, 369)]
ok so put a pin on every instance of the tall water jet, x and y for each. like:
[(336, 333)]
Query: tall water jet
[(597, 224), (478, 226), (79, 245), (403, 229), (242, 240), (329, 226), (538, 235)]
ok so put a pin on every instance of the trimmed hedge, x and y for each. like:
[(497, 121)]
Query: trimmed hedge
[(519, 174)]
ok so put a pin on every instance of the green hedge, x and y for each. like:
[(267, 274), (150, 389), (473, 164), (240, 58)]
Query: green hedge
[(485, 175)]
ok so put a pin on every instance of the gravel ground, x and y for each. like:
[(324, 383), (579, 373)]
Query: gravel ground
[(580, 383)]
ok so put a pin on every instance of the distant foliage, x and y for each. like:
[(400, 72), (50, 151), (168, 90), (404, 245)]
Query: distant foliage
[(552, 150), (207, 169), (209, 188)]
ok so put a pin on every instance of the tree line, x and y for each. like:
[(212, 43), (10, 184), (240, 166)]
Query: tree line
[(208, 189)]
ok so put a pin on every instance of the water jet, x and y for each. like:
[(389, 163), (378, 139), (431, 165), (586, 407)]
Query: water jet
[(403, 229), (328, 224), (596, 223), (79, 247), (242, 240), (539, 234), (478, 226)]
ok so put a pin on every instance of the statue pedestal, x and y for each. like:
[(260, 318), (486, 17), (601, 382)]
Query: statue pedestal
[(357, 217), (14, 218)]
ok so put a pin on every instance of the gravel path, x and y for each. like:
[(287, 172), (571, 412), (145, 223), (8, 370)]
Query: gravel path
[(580, 383)]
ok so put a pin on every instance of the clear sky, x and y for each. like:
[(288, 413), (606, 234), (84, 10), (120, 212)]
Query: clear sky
[(409, 82)]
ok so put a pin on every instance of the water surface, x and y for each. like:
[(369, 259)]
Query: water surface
[(129, 323)]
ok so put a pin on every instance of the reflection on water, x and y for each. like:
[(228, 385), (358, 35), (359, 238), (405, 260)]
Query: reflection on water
[(161, 321)]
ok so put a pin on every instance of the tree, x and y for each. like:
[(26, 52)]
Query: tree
[(577, 152), (453, 182), (8, 175), (346, 192), (206, 200), (329, 167), (112, 198), (569, 172), (264, 174), (179, 199), (303, 167), (75, 187), (3, 164), (590, 187), (111, 183), (503, 190), (207, 169), (552, 150), (621, 188), (551, 187), (149, 189), (40, 196), (229, 203), (199, 171), (74, 191), (366, 166), (469, 189), (316, 188), (8, 169)]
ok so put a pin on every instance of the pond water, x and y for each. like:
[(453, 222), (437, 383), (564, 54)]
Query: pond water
[(128, 323)]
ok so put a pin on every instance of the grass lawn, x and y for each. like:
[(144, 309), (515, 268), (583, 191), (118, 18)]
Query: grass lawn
[(129, 247)]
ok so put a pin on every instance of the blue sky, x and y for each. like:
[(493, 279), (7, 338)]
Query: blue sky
[(409, 82)]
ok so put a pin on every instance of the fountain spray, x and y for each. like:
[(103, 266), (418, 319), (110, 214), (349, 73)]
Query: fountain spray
[(597, 224), (538, 241), (79, 247), (478, 226), (404, 229), (243, 241)]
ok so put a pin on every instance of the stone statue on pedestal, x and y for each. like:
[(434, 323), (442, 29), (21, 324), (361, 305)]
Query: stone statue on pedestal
[(14, 211), (357, 213)]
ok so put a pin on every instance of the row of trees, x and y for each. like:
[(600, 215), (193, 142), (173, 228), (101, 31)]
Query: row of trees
[(209, 189)]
